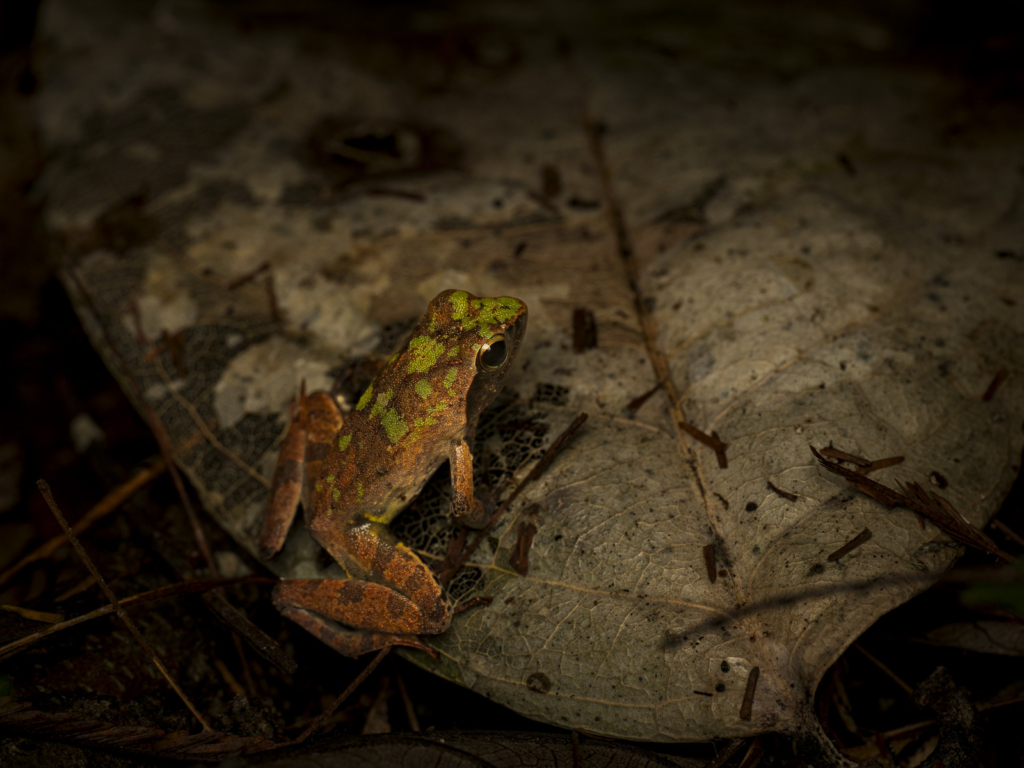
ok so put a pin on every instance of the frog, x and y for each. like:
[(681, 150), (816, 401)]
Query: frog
[(354, 473)]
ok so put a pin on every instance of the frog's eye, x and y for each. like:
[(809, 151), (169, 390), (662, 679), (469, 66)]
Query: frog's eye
[(492, 355)]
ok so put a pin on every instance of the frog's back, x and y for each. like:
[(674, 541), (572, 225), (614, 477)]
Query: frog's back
[(419, 406)]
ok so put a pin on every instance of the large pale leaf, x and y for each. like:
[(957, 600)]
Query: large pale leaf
[(818, 260)]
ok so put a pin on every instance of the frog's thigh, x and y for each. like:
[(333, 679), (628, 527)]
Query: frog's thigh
[(404, 597)]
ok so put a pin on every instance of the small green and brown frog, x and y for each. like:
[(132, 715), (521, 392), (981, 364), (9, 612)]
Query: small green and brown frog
[(354, 473)]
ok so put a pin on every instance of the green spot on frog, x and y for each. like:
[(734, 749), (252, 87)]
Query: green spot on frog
[(359, 491), (329, 479), (425, 351), (423, 388), (381, 403), (336, 494), (482, 312), (454, 351), (365, 399), (319, 486), (344, 441), (449, 379), (394, 425), (460, 304)]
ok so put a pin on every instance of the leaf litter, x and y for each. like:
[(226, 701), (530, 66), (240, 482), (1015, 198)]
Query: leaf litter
[(803, 305)]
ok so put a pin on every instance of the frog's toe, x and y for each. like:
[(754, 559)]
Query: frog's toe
[(352, 643)]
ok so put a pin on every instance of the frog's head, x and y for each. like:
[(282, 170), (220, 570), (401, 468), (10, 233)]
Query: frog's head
[(484, 335)]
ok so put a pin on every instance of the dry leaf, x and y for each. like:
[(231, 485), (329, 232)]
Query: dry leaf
[(794, 303)]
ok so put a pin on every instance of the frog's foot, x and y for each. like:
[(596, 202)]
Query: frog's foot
[(350, 642), (372, 608)]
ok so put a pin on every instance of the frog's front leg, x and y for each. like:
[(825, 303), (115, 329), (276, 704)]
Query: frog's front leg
[(466, 508), (405, 599)]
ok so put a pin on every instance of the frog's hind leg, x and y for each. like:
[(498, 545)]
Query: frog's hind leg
[(299, 461), (405, 601)]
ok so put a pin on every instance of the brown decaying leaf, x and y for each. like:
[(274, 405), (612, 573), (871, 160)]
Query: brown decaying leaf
[(779, 305)]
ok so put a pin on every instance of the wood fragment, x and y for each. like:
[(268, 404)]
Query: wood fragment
[(784, 494), (851, 545), (754, 754), (888, 672), (410, 709), (44, 488), (709, 562), (246, 277), (881, 464), (637, 403), (835, 453), (98, 511), (711, 441), (1008, 532), (1000, 377), (584, 330), (519, 560), (748, 696), (319, 720), (44, 617), (727, 752), (914, 497)]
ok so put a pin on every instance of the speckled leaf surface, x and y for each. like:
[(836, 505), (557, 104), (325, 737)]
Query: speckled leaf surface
[(819, 257)]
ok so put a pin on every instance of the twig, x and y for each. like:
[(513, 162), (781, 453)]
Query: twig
[(914, 497), (410, 709), (728, 751), (1008, 532), (447, 572), (318, 722), (747, 706), (100, 509), (171, 590), (874, 660), (851, 545), (44, 488)]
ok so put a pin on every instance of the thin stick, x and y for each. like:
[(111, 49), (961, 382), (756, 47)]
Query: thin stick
[(171, 590), (410, 709), (99, 510), (895, 678), (44, 488), (728, 751), (318, 722), (1008, 532), (542, 465)]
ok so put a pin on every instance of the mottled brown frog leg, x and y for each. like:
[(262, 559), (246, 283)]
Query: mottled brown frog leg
[(405, 601), (298, 465), (466, 508)]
